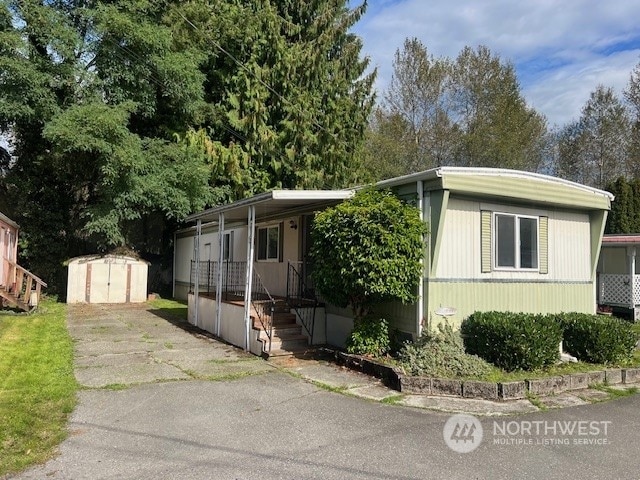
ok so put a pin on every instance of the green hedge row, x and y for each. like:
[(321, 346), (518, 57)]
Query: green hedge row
[(597, 338), (513, 341), (521, 341)]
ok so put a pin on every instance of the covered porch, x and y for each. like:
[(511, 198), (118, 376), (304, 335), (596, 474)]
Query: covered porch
[(253, 288), (619, 274)]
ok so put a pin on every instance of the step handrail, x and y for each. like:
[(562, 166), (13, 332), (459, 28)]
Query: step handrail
[(298, 299), (264, 305), (15, 281)]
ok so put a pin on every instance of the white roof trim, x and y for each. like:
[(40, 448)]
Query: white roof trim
[(275, 195)]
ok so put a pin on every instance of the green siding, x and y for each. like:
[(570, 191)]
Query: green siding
[(547, 297)]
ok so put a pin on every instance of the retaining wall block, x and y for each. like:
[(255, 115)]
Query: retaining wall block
[(512, 390), (419, 385), (445, 386), (630, 375), (613, 376), (548, 386), (476, 389)]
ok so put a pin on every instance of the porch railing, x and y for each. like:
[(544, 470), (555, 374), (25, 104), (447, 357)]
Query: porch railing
[(619, 289), (264, 305), (22, 284), (233, 288), (233, 277), (302, 299)]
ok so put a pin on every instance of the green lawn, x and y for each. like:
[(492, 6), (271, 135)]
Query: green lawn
[(37, 386)]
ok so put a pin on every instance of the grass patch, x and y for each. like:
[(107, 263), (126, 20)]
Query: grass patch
[(37, 386), (116, 387), (616, 392), (535, 401), (329, 388), (173, 308), (226, 361), (393, 399)]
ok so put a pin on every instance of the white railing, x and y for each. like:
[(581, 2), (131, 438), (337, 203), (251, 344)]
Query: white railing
[(618, 289)]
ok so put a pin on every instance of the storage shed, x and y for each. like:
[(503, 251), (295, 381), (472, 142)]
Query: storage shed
[(107, 279)]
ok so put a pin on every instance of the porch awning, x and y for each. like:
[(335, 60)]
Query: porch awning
[(273, 205)]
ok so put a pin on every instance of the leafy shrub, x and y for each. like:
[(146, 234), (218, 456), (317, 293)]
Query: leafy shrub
[(596, 338), (367, 250), (513, 341), (370, 336), (441, 354)]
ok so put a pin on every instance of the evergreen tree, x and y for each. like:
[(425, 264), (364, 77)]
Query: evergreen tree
[(127, 115)]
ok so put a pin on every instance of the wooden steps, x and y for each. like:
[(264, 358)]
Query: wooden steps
[(13, 300)]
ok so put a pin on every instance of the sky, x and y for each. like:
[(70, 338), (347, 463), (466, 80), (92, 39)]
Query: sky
[(561, 49)]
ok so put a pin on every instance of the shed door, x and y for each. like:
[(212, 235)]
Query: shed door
[(108, 282)]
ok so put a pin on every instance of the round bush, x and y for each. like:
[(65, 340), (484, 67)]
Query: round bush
[(370, 336)]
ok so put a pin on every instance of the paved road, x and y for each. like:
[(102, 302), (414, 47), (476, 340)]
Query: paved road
[(276, 426)]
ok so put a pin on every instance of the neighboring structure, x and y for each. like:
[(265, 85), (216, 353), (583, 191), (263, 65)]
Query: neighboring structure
[(18, 287), (619, 274), (499, 240), (107, 279)]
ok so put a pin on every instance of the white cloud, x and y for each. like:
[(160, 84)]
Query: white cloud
[(562, 50)]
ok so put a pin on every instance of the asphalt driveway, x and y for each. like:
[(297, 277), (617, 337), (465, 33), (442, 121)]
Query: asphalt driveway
[(151, 411)]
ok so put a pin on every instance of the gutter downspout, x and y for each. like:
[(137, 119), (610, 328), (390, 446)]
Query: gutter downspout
[(196, 288), (420, 309)]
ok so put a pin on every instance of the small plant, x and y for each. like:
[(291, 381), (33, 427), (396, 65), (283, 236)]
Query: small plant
[(513, 341), (370, 336), (441, 354), (597, 338)]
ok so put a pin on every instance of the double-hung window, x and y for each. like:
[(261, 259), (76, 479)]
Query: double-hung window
[(515, 242), (269, 243)]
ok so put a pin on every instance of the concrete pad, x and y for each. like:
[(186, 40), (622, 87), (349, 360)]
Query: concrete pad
[(468, 405), (562, 400), (207, 366), (591, 395), (113, 360), (89, 348), (373, 392), (97, 377), (333, 376), (204, 353)]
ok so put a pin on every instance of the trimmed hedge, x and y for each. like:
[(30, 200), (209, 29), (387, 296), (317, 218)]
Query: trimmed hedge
[(597, 338), (513, 341)]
